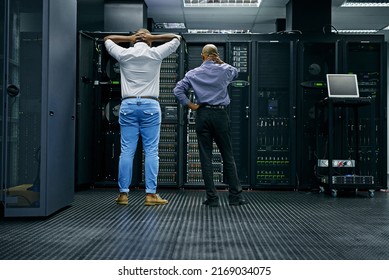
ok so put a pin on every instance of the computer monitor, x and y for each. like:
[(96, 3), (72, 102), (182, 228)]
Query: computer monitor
[(342, 85)]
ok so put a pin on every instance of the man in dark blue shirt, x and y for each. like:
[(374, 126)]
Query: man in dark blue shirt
[(209, 82)]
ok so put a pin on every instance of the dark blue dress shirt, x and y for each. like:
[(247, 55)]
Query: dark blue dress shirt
[(209, 82)]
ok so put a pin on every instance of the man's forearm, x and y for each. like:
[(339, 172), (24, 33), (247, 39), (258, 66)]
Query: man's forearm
[(120, 38), (165, 37)]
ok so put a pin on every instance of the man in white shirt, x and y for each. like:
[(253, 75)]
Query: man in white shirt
[(140, 112)]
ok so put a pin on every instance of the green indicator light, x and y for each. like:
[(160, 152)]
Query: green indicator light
[(115, 82)]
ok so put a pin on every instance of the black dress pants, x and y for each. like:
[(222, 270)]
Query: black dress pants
[(214, 124)]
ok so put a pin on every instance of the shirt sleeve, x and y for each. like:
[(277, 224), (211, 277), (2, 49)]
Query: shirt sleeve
[(113, 49), (232, 72), (168, 48), (180, 91)]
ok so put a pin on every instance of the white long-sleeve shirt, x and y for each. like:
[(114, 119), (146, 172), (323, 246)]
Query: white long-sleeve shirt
[(140, 66)]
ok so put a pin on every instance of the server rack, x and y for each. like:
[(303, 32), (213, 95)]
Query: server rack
[(239, 54), (342, 167), (273, 126), (365, 57), (98, 103), (38, 107), (316, 58), (109, 94), (86, 106), (107, 91)]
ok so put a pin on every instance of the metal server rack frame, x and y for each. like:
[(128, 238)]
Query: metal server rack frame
[(274, 112), (238, 55), (364, 55), (316, 56), (107, 89)]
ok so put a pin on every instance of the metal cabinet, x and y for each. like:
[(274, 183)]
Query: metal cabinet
[(365, 56), (273, 109), (38, 106)]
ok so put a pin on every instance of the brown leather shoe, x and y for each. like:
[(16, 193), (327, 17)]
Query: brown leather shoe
[(122, 199), (154, 199)]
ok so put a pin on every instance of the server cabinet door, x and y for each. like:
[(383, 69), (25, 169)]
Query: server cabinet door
[(366, 58), (86, 100), (2, 96), (315, 60), (273, 103), (38, 102), (21, 99), (106, 130)]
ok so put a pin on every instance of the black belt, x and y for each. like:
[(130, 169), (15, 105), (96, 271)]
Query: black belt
[(214, 106), (146, 97)]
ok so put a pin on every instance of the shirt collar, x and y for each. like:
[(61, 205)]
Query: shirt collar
[(208, 62), (141, 44)]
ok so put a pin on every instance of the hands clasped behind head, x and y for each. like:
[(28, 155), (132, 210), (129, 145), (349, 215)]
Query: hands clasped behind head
[(142, 35), (139, 37)]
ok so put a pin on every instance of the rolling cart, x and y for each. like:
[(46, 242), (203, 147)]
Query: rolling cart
[(341, 138)]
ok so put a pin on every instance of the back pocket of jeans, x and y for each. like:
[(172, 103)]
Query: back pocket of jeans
[(151, 117), (126, 116)]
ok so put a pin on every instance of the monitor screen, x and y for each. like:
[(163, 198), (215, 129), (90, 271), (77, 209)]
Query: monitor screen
[(342, 85)]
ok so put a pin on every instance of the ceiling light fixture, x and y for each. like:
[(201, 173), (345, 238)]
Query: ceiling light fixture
[(364, 3), (222, 3), (214, 31), (356, 31), (170, 25)]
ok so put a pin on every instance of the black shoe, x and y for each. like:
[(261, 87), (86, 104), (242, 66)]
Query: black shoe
[(238, 202), (211, 202)]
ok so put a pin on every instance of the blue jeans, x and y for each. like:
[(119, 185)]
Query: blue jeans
[(139, 117)]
